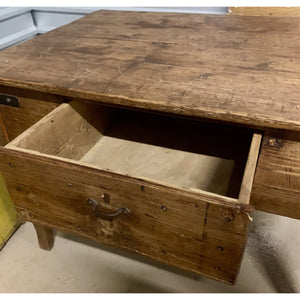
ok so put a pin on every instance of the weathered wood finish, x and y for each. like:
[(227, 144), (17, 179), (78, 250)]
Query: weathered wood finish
[(233, 69), (45, 236), (33, 107), (229, 68), (277, 182), (246, 185), (185, 153), (13, 121), (71, 141), (205, 234), (276, 187), (265, 11), (176, 224), (4, 139)]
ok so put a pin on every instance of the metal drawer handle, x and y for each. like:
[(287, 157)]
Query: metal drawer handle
[(95, 207)]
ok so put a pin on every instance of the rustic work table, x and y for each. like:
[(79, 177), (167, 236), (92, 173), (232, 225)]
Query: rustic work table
[(157, 133)]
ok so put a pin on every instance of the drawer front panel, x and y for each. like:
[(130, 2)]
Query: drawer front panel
[(276, 187), (187, 230)]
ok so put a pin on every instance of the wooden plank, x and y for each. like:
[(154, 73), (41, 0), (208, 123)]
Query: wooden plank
[(33, 106), (227, 68), (4, 139), (248, 177), (45, 236), (177, 167), (276, 187), (86, 125), (13, 121), (185, 153), (265, 11), (204, 234)]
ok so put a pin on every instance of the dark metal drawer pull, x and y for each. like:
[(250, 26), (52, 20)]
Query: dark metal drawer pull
[(95, 207), (9, 100)]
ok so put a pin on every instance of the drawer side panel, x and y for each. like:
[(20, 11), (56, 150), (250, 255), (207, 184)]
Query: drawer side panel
[(165, 224)]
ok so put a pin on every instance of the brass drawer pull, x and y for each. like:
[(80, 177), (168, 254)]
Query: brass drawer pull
[(95, 207)]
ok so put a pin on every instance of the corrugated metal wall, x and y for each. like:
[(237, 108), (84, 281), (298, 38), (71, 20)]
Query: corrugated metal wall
[(18, 24)]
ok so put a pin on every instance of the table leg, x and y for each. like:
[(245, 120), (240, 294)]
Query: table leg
[(45, 236)]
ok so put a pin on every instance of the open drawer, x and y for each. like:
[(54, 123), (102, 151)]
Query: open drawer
[(175, 190)]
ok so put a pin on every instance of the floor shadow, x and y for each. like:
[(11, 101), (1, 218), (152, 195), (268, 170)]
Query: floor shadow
[(129, 255), (262, 248), (135, 285)]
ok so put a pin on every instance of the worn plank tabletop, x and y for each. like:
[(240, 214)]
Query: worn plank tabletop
[(230, 68)]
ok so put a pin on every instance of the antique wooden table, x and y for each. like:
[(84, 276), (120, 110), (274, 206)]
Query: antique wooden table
[(157, 133)]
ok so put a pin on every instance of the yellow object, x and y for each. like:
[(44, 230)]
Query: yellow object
[(8, 215)]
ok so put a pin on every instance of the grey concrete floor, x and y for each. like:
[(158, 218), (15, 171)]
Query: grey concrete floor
[(271, 264)]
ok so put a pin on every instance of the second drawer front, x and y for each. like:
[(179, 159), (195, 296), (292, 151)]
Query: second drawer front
[(276, 187), (166, 224)]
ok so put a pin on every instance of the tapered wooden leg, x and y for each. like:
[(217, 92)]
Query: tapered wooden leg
[(45, 236)]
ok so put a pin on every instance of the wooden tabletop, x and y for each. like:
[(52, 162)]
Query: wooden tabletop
[(231, 68)]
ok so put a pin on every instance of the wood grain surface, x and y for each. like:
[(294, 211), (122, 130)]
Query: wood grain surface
[(265, 11), (33, 107), (276, 187), (200, 233), (45, 236), (231, 68), (185, 153), (4, 138)]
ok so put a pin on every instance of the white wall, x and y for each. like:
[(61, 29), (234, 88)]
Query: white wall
[(18, 24)]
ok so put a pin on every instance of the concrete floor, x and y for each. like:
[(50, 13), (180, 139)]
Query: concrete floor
[(271, 264)]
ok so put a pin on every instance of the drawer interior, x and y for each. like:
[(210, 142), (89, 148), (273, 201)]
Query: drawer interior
[(182, 152)]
